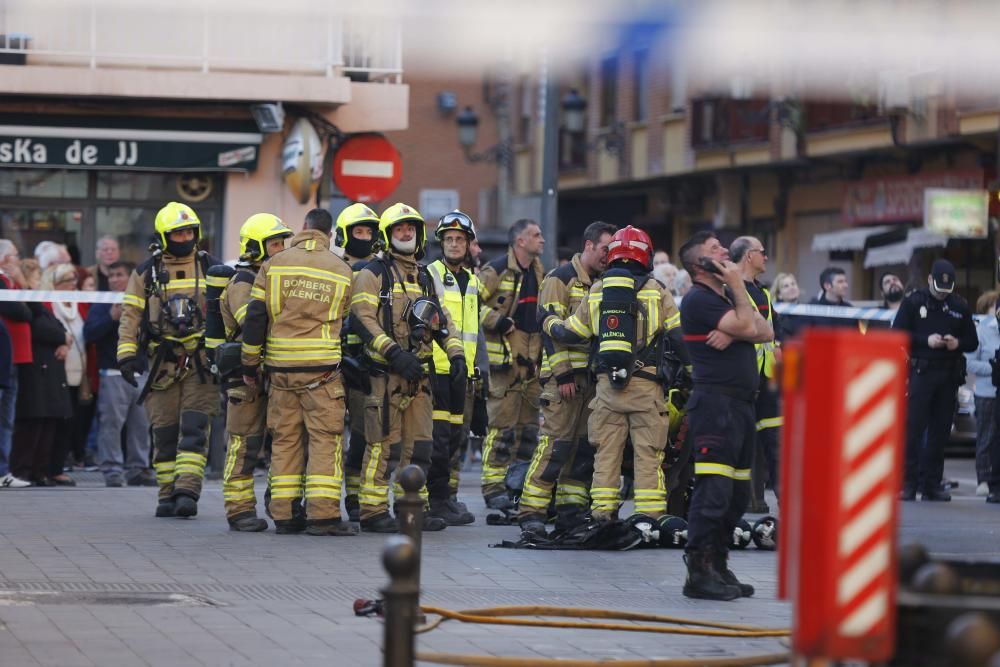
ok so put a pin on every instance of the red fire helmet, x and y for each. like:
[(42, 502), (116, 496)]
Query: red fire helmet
[(631, 243)]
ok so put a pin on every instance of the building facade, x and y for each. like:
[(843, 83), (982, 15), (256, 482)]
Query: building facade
[(821, 182), (112, 109)]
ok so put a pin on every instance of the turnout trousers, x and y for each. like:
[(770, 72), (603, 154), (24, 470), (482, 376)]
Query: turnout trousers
[(246, 426), (564, 453), (930, 409), (357, 445), (452, 418), (180, 418), (512, 434), (638, 411), (306, 421), (398, 428), (722, 430), (765, 462)]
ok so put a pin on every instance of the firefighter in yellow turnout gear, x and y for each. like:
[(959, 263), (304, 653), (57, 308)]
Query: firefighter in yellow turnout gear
[(356, 230), (510, 286), (629, 313), (263, 235), (564, 451), (298, 302), (162, 317), (458, 292), (395, 311)]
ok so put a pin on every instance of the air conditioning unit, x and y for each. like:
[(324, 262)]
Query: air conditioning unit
[(270, 118)]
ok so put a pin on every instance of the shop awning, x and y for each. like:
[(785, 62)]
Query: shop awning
[(128, 143), (900, 253), (846, 239)]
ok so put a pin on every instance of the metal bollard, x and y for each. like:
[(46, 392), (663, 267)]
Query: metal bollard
[(410, 512), (401, 561)]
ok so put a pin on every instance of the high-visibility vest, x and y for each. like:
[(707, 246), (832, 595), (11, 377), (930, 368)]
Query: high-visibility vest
[(463, 311), (765, 351)]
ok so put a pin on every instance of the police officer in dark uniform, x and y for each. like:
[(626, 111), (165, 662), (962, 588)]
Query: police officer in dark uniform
[(721, 325), (941, 330)]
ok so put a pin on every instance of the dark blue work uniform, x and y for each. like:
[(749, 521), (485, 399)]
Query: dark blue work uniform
[(721, 422), (935, 375)]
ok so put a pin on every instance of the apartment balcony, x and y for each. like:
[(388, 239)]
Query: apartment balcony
[(305, 52), (720, 122), (838, 127)]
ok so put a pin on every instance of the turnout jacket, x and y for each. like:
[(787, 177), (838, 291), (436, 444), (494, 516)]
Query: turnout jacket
[(657, 314), (501, 282), (369, 315), (297, 305), (562, 292), (141, 307), (234, 301)]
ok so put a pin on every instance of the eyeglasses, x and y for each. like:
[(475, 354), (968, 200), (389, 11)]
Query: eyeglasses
[(763, 253)]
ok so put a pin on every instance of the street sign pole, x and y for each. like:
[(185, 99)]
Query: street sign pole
[(549, 223)]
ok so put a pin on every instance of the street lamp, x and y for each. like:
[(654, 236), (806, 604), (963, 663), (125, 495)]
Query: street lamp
[(574, 107), (468, 130)]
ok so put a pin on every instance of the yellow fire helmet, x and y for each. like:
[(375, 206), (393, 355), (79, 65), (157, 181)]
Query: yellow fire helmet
[(255, 233), (174, 217), (398, 213), (355, 214)]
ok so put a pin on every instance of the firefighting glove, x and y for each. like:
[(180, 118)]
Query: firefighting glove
[(458, 375), (405, 363), (505, 325), (129, 368)]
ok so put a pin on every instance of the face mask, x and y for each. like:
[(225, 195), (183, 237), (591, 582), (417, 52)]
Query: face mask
[(895, 295), (359, 247), (405, 247), (180, 249)]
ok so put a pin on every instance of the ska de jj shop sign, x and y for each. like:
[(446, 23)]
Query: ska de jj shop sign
[(100, 148)]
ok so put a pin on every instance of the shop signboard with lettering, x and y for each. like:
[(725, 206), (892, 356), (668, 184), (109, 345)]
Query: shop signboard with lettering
[(957, 214), (900, 198), (107, 148)]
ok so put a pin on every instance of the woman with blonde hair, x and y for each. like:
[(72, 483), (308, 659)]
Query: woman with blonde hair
[(71, 435)]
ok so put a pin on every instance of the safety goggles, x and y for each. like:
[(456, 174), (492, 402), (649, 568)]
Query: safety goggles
[(455, 220)]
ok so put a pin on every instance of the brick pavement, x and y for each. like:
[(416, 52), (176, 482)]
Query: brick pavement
[(89, 577)]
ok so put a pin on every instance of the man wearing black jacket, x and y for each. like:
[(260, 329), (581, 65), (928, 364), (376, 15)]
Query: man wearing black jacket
[(116, 400), (941, 330)]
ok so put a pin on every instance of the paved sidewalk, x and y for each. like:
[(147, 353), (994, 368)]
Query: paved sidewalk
[(89, 577)]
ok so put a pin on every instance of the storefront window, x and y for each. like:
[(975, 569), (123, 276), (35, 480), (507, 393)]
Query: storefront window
[(79, 207), (26, 228), (54, 183)]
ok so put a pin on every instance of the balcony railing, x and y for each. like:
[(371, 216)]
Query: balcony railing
[(720, 121), (822, 116), (307, 39)]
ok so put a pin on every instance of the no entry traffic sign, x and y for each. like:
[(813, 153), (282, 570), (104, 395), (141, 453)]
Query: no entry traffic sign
[(367, 168)]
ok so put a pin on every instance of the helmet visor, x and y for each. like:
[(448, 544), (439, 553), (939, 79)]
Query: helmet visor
[(455, 220)]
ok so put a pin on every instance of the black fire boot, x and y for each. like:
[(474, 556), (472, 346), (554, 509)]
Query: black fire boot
[(722, 567), (703, 582), (383, 522), (433, 524), (247, 523), (165, 508), (331, 529), (185, 506), (443, 509)]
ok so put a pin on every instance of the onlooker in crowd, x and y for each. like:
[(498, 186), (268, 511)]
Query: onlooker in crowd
[(71, 433), (564, 255), (660, 257), (107, 254), (834, 287), (786, 290), (682, 285), (116, 402), (49, 252), (892, 290), (16, 318), (42, 396), (985, 392), (665, 273)]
